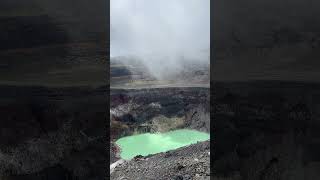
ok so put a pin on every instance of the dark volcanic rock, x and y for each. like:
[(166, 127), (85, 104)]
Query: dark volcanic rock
[(190, 162), (170, 100)]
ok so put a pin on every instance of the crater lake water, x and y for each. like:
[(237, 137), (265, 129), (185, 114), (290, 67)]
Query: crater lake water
[(146, 144)]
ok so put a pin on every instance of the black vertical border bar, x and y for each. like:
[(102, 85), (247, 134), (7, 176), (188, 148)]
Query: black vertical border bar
[(108, 89), (211, 88)]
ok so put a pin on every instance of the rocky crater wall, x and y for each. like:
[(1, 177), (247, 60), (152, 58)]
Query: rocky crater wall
[(158, 110)]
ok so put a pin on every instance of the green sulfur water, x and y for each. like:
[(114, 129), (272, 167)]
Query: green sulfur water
[(146, 144)]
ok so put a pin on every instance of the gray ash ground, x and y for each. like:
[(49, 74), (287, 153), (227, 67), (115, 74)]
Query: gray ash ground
[(191, 162)]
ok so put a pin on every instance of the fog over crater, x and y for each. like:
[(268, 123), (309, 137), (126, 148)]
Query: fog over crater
[(164, 34)]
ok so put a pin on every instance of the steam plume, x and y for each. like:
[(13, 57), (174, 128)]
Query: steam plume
[(164, 34)]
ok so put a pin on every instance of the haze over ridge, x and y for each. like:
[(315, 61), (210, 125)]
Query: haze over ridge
[(163, 34)]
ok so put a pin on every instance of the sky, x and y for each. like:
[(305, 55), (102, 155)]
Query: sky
[(160, 32)]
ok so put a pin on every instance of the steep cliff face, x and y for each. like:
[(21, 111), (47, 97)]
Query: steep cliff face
[(153, 107)]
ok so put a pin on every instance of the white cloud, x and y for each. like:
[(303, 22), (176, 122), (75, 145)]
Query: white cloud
[(161, 31)]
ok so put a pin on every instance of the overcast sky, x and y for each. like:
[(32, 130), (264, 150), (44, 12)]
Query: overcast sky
[(160, 29)]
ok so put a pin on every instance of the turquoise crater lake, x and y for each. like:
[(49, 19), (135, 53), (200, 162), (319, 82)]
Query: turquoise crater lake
[(146, 144)]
